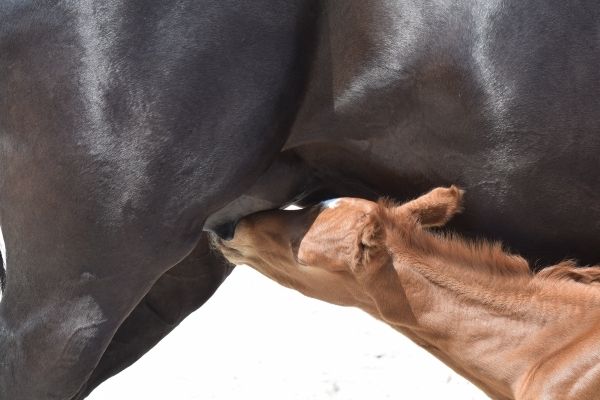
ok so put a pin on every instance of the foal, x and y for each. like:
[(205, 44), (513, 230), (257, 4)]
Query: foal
[(514, 334)]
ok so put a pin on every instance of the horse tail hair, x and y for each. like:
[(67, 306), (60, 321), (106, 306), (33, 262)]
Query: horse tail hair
[(2, 273), (2, 263)]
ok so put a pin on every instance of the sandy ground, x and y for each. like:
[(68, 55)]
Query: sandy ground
[(257, 340)]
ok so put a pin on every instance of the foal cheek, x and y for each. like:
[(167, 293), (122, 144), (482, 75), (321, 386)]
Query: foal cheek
[(308, 252), (318, 254)]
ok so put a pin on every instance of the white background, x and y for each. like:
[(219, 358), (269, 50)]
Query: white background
[(257, 340)]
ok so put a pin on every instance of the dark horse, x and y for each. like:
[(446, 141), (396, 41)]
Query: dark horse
[(127, 127)]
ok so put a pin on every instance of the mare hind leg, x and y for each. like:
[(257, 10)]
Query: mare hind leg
[(178, 292), (74, 275), (110, 161), (437, 207)]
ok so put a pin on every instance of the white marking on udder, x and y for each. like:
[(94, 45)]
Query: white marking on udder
[(333, 203)]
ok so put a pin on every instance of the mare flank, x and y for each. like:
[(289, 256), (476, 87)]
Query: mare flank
[(516, 335)]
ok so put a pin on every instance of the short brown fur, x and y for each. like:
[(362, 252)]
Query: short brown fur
[(515, 334)]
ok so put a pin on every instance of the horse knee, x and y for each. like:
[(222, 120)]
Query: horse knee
[(49, 355)]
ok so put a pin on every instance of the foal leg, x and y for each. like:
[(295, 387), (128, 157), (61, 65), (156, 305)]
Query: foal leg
[(437, 207)]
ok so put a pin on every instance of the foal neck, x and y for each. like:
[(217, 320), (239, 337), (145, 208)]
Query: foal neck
[(478, 308)]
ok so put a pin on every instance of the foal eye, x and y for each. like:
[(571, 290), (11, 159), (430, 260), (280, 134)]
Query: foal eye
[(364, 249)]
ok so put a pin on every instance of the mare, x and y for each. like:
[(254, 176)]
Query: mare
[(129, 128), (515, 334)]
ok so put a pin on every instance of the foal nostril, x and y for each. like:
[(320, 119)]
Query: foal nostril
[(224, 231)]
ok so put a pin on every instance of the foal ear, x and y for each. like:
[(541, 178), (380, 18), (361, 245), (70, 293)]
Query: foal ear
[(369, 243), (436, 207)]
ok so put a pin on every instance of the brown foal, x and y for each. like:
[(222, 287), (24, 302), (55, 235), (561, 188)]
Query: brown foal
[(515, 334)]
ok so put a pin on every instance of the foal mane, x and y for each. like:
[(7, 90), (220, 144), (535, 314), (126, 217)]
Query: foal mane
[(568, 270), (479, 254)]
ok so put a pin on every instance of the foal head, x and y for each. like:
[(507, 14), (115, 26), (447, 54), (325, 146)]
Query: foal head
[(323, 251)]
